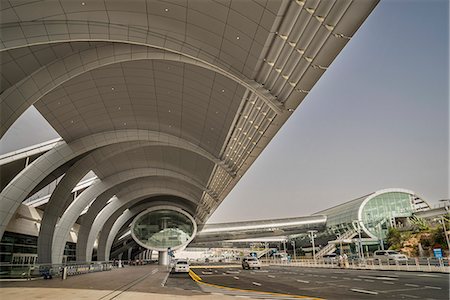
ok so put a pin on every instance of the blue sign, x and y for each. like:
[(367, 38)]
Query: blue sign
[(437, 252), (254, 254)]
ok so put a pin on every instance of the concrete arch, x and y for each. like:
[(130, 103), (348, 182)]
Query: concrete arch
[(113, 226), (134, 46), (86, 239), (94, 218), (61, 196), (62, 230), (20, 187)]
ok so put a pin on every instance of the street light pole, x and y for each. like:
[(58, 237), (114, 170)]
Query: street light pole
[(312, 235)]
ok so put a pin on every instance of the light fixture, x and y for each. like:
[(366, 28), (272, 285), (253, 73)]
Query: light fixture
[(285, 76), (166, 9), (83, 3), (223, 91), (292, 44), (308, 59), (270, 63), (118, 108), (301, 51), (112, 89), (310, 10), (290, 109), (320, 18), (283, 37), (278, 70), (329, 27), (237, 37), (125, 123), (292, 83)]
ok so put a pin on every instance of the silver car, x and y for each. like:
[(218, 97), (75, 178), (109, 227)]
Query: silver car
[(389, 255)]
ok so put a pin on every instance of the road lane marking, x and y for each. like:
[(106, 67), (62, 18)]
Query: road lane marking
[(409, 296), (433, 287), (428, 275), (256, 283), (236, 277), (410, 284), (334, 277), (346, 278), (302, 281), (378, 278), (271, 276), (207, 273), (369, 280), (364, 291), (233, 272), (357, 279), (388, 282)]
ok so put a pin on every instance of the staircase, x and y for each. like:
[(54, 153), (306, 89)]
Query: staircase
[(331, 247), (263, 252)]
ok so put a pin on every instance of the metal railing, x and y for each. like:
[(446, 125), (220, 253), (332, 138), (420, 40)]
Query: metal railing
[(28, 272), (425, 264)]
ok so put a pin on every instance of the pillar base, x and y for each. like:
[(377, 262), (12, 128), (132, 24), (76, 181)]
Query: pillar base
[(163, 258)]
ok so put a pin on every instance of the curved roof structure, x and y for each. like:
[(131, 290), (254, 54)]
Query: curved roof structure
[(195, 88)]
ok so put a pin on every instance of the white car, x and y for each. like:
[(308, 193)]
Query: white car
[(181, 266), (250, 262), (389, 255)]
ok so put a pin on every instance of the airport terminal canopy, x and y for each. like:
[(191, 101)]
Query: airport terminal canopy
[(374, 213), (157, 98)]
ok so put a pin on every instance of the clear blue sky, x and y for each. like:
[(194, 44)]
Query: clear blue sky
[(378, 118)]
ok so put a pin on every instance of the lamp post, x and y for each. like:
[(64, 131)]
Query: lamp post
[(293, 245), (360, 248), (447, 201), (312, 236)]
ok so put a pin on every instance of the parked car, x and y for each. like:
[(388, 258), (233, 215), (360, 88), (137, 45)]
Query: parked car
[(250, 262), (181, 266), (389, 255)]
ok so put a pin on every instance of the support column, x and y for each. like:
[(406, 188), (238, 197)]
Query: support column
[(163, 258)]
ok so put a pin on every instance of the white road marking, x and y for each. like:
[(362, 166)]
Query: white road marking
[(364, 291), (379, 278), (410, 284), (256, 283), (433, 287), (233, 272), (409, 296), (428, 275), (368, 280), (323, 276), (346, 278), (271, 276), (235, 277), (388, 282), (357, 279), (302, 281), (334, 277)]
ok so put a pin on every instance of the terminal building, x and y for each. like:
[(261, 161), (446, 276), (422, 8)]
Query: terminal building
[(160, 107)]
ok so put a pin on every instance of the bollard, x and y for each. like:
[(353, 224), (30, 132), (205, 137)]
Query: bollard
[(64, 273)]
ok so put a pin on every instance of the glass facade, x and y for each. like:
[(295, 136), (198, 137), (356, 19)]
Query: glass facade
[(15, 245), (161, 229), (380, 211)]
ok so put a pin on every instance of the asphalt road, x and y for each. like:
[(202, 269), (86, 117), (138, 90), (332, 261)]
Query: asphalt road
[(320, 283)]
